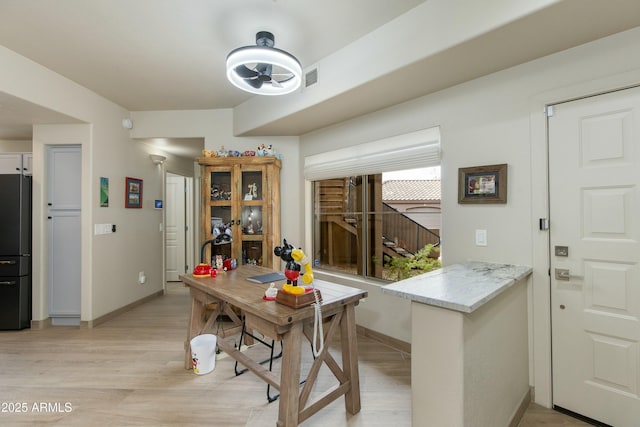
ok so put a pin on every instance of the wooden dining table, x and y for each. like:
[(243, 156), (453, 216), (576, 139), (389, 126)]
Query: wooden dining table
[(232, 294)]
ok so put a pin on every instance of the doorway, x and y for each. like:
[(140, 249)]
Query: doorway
[(178, 226), (594, 208)]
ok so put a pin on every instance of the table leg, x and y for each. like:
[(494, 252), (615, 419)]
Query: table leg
[(350, 358), (290, 377), (196, 318)]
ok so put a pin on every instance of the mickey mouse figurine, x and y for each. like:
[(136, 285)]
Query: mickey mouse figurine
[(294, 258)]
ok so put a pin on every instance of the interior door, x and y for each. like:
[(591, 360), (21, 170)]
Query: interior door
[(64, 248), (175, 227), (594, 175)]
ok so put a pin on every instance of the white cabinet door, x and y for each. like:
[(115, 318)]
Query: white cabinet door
[(64, 266), (27, 164), (10, 163), (64, 235), (64, 178)]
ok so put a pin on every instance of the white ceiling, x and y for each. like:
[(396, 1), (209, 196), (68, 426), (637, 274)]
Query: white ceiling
[(170, 54)]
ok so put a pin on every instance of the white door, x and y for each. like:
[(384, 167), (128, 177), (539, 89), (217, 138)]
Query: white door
[(64, 205), (175, 227), (594, 199)]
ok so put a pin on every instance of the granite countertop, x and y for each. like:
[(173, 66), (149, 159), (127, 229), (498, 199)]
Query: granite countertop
[(461, 287)]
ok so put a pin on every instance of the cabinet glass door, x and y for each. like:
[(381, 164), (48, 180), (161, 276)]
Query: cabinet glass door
[(251, 220), (221, 221), (221, 186), (252, 185), (252, 252), (251, 216), (221, 215)]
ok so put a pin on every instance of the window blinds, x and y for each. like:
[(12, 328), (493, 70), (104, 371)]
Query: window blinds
[(413, 150)]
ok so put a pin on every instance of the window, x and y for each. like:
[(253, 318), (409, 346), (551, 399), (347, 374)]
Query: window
[(354, 230), (362, 222)]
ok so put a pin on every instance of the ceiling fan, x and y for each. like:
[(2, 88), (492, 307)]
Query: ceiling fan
[(264, 69)]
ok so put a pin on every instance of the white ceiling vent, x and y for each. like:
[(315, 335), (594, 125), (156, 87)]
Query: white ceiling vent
[(311, 78)]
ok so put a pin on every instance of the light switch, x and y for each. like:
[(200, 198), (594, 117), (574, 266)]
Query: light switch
[(481, 237), (102, 229)]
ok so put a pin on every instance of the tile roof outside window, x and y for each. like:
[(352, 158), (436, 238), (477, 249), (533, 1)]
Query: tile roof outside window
[(426, 189)]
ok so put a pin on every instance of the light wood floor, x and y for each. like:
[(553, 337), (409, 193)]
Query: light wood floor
[(129, 372)]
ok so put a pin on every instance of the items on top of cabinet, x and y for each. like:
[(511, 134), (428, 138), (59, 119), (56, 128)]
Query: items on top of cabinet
[(263, 150)]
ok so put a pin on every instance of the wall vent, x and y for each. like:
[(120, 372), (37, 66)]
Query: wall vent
[(311, 78)]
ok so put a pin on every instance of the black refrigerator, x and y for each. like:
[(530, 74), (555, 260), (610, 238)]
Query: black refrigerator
[(15, 251)]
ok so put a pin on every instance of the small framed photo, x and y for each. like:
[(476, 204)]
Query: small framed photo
[(483, 184), (133, 193)]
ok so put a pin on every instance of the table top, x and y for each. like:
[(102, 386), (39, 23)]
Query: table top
[(460, 287), (233, 287)]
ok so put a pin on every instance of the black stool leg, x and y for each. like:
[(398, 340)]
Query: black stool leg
[(271, 358), (274, 398)]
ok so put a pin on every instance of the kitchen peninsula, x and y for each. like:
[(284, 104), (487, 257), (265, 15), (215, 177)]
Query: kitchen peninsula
[(469, 345)]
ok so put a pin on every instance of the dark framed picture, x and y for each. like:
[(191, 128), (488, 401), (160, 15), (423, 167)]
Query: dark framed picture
[(483, 184), (133, 193)]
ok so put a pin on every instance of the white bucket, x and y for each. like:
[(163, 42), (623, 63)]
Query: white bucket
[(203, 353)]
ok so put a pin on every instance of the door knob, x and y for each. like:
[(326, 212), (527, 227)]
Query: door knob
[(564, 274)]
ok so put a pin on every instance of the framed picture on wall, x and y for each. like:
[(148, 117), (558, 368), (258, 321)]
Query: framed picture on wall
[(133, 193), (483, 184), (104, 192)]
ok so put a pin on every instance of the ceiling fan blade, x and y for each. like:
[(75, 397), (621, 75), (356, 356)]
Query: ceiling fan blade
[(275, 83), (256, 83), (264, 69), (245, 72), (281, 80)]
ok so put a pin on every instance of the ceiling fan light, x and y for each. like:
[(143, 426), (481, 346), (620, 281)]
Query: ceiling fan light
[(249, 56)]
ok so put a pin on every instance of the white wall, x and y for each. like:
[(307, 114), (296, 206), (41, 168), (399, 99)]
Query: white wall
[(498, 119), (12, 146), (110, 263)]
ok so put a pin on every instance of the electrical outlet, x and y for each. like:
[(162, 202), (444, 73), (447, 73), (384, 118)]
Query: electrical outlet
[(481, 237)]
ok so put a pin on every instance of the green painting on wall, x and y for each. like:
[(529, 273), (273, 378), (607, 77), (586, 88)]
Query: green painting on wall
[(104, 192)]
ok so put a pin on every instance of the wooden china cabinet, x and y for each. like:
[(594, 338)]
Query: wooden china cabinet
[(240, 208)]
